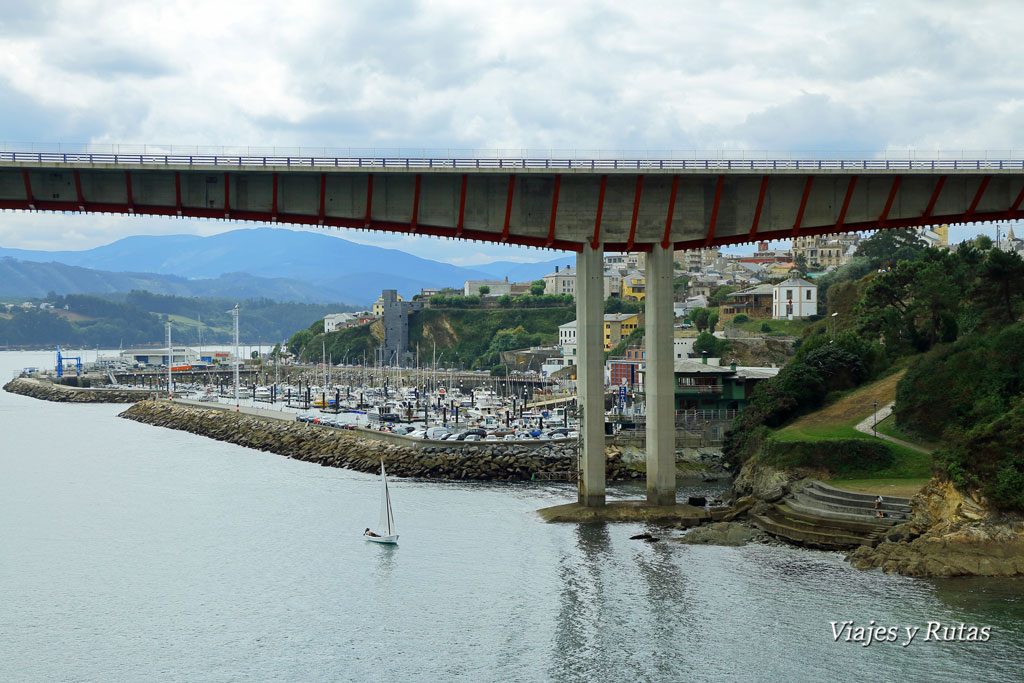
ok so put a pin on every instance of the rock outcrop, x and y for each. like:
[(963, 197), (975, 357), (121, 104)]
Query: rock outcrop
[(950, 533), (48, 391), (342, 448)]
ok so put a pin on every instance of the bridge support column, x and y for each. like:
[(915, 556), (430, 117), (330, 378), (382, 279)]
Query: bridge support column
[(660, 379), (590, 373)]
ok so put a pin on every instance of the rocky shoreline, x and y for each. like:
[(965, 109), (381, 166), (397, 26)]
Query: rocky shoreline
[(342, 448), (951, 533), (48, 391)]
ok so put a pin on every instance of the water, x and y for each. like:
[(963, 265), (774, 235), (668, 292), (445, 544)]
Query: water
[(130, 552)]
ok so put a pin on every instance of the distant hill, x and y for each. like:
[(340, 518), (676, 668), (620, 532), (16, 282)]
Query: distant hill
[(33, 279), (276, 263)]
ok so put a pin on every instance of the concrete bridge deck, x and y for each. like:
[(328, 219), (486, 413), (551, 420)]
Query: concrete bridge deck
[(587, 206)]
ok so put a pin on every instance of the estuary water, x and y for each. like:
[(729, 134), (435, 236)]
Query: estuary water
[(136, 553)]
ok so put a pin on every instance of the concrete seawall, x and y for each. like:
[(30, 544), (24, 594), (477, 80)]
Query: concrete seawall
[(342, 448), (48, 391)]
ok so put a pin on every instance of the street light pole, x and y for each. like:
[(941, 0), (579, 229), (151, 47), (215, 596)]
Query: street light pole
[(834, 326)]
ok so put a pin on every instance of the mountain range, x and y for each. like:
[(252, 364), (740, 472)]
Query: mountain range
[(281, 264)]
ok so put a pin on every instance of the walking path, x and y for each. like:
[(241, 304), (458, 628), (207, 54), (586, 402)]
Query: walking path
[(866, 426)]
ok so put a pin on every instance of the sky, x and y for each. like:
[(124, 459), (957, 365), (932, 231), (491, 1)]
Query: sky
[(570, 75)]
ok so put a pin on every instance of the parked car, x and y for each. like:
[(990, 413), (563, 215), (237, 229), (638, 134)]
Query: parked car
[(472, 437)]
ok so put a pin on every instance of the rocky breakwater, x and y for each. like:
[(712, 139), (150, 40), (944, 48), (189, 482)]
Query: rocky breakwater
[(483, 461), (950, 533), (48, 391)]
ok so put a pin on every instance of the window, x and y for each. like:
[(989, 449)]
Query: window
[(808, 295), (789, 294)]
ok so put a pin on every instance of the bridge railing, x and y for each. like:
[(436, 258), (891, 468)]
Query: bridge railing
[(468, 163)]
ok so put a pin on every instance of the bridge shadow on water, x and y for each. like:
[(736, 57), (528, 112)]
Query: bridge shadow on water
[(612, 586)]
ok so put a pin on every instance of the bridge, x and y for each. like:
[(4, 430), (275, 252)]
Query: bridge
[(586, 206)]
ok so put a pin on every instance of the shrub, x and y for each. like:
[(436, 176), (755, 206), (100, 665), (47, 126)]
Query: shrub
[(741, 318), (765, 327)]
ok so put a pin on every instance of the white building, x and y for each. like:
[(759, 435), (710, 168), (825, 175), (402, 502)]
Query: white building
[(567, 340), (495, 287), (794, 298), (563, 281)]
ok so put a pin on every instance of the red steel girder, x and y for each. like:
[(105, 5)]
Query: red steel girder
[(846, 202), (554, 209), (462, 206), (803, 205), (415, 203), (888, 202), (977, 195), (671, 210), (28, 189), (78, 190), (636, 212), (760, 205), (594, 241), (508, 206), (934, 198), (1017, 201)]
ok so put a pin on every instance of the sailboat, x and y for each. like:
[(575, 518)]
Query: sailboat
[(385, 531)]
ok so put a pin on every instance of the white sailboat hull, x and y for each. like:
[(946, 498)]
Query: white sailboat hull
[(393, 540)]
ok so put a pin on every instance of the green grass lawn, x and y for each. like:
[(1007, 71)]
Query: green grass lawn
[(888, 427), (788, 328), (181, 321)]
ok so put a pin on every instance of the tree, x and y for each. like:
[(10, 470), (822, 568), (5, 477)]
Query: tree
[(699, 318), (719, 295), (505, 301), (983, 242), (616, 305), (712, 321), (537, 287), (889, 247), (711, 344), (1002, 278), (484, 290), (800, 263)]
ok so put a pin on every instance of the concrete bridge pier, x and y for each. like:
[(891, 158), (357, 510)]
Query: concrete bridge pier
[(659, 378), (590, 372)]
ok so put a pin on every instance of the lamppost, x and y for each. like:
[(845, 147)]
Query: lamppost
[(874, 427), (834, 326)]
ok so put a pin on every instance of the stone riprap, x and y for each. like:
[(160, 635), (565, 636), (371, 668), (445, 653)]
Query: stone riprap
[(48, 391), (329, 447)]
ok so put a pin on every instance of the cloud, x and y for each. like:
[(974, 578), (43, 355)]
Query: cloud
[(577, 77)]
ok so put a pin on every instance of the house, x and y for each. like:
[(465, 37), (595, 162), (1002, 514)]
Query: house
[(633, 285), (495, 287), (567, 341), (617, 326), (378, 305), (794, 298), (700, 385), (755, 302), (627, 370), (826, 250), (564, 281), (336, 321)]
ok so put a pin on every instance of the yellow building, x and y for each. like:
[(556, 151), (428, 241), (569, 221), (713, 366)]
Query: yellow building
[(618, 326), (633, 286), (378, 306)]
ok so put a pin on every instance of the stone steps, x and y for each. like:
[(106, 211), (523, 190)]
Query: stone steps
[(853, 495), (828, 498), (811, 502), (855, 523), (815, 535)]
